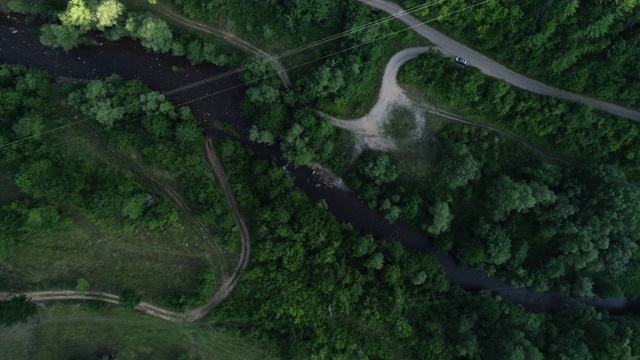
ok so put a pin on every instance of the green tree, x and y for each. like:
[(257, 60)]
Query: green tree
[(188, 131), (263, 94), (107, 13), (326, 81), (376, 261), (60, 36), (16, 310), (364, 245), (442, 217), (458, 167), (129, 298), (134, 208), (506, 195), (77, 15), (82, 286), (30, 125), (419, 278), (378, 168), (153, 33), (498, 243), (33, 7)]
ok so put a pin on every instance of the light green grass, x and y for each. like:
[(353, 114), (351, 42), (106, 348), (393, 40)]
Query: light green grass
[(157, 264), (76, 331)]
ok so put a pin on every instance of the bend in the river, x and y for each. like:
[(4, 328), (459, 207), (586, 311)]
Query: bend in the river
[(130, 60)]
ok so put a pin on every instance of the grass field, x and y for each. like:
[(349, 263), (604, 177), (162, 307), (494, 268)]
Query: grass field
[(157, 264), (82, 331)]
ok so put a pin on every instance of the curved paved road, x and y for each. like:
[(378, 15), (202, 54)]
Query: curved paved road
[(450, 47)]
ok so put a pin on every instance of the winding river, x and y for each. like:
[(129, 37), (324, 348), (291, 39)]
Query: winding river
[(19, 44)]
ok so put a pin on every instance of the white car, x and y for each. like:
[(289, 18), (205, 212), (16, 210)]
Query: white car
[(461, 61)]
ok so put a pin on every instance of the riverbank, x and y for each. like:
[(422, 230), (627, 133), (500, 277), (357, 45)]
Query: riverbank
[(129, 60)]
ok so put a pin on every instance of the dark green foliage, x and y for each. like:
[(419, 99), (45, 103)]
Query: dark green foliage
[(309, 139), (457, 169), (16, 310), (114, 21), (61, 36), (153, 33), (565, 128), (294, 245), (208, 284), (583, 47), (129, 298), (31, 7), (441, 218)]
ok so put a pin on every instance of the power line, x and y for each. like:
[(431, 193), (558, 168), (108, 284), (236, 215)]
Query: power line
[(237, 70), (256, 80)]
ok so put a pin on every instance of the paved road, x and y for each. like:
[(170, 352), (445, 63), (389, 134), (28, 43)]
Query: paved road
[(450, 47)]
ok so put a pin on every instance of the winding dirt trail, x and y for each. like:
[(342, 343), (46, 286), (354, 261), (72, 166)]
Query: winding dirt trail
[(228, 281), (450, 47), (171, 14)]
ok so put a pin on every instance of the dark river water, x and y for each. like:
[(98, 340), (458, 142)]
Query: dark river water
[(19, 44)]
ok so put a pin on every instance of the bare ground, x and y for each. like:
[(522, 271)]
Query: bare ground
[(368, 130), (449, 47)]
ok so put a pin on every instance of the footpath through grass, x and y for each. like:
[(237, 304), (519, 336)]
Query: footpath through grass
[(111, 257), (92, 330)]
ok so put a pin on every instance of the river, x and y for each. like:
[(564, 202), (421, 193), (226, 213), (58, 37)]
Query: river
[(20, 45)]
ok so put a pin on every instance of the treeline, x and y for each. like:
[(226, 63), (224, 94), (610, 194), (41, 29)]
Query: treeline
[(562, 127), (344, 295), (343, 84), (586, 47), (502, 210), (83, 18)]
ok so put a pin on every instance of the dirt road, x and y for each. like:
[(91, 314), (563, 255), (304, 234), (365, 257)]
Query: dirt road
[(368, 130), (168, 13), (228, 282), (450, 47)]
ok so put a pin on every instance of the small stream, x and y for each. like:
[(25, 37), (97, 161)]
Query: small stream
[(19, 44)]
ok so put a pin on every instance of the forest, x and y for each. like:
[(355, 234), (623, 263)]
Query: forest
[(585, 47), (553, 211)]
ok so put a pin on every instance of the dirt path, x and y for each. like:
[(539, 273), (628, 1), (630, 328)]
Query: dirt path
[(170, 14), (228, 281), (450, 47), (508, 134), (368, 130)]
